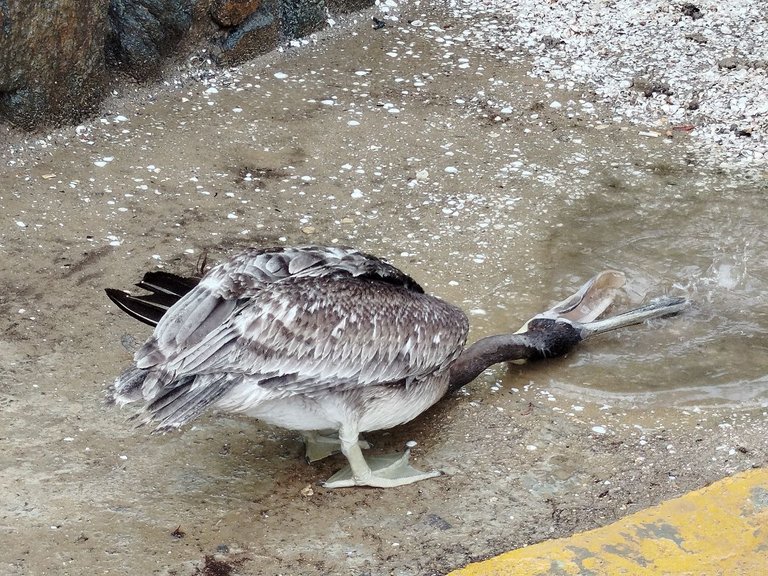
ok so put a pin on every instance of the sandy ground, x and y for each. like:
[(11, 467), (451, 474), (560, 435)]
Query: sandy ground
[(476, 207)]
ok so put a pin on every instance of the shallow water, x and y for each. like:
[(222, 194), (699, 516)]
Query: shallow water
[(684, 234)]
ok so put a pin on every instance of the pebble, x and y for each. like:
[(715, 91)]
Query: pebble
[(307, 491)]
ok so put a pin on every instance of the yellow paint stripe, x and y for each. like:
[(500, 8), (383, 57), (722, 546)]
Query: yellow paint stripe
[(719, 530)]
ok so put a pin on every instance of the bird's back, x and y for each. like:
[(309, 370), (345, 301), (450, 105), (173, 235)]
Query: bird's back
[(291, 321)]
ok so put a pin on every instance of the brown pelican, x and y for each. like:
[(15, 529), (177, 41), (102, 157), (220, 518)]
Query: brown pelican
[(324, 338)]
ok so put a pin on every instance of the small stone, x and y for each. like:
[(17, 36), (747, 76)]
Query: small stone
[(307, 491), (551, 42), (649, 87), (730, 63), (692, 11), (696, 37)]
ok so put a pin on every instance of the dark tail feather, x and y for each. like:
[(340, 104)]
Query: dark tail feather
[(165, 290), (167, 283)]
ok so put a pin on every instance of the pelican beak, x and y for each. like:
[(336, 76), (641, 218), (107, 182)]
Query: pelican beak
[(663, 306), (586, 305), (582, 309)]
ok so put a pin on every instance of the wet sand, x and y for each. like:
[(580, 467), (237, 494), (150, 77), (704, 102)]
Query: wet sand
[(405, 157)]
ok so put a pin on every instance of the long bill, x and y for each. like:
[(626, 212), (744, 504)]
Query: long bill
[(658, 308)]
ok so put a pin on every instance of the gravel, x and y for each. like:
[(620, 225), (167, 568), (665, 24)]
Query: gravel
[(673, 66)]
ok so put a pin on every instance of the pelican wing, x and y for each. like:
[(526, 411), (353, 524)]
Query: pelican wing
[(254, 270)]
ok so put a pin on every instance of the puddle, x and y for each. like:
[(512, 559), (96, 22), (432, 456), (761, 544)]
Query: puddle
[(682, 234)]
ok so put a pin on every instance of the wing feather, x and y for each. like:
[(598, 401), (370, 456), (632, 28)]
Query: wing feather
[(386, 344)]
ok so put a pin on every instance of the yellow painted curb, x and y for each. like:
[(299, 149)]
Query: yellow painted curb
[(719, 530)]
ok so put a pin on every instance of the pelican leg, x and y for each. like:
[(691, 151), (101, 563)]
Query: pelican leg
[(377, 471), (321, 444)]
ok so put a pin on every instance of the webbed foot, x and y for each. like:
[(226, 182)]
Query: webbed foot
[(380, 472)]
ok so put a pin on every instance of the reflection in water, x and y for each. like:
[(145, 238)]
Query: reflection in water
[(683, 236)]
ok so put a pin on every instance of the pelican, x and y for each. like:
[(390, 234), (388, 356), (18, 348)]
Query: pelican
[(331, 342)]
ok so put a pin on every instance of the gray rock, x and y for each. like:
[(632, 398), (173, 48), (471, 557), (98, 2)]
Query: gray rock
[(730, 63), (692, 11), (52, 67), (649, 86), (143, 32), (697, 37), (302, 17), (272, 22)]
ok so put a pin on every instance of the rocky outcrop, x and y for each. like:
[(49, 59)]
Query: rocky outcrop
[(58, 56), (52, 66)]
